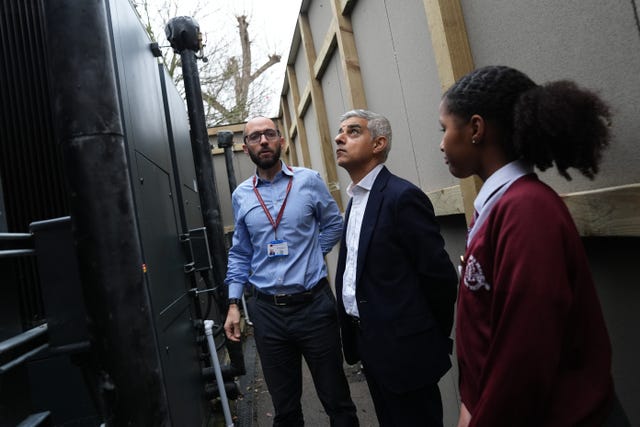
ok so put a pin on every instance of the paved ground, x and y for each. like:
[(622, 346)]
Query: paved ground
[(254, 408)]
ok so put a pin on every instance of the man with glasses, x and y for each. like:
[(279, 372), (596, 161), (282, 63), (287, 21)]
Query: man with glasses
[(285, 222)]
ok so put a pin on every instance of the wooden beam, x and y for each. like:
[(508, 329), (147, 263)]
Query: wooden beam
[(453, 59), (212, 132), (305, 100), (299, 123), (449, 39), (349, 58), (346, 6), (613, 211), (326, 52), (286, 115), (317, 98), (447, 201), (286, 152), (235, 128), (603, 212), (469, 188), (217, 151)]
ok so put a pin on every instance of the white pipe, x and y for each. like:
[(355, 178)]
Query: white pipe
[(208, 330), (246, 311)]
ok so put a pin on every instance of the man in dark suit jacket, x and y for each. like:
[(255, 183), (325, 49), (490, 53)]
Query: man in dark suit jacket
[(395, 284)]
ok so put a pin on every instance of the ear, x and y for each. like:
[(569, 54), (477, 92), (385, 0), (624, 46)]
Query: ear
[(478, 127), (245, 149), (380, 144)]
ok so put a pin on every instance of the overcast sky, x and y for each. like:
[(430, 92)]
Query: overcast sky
[(271, 27)]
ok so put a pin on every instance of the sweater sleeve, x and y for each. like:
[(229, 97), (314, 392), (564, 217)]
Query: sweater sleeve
[(529, 311)]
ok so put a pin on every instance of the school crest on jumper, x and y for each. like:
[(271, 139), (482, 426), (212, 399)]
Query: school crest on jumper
[(473, 276)]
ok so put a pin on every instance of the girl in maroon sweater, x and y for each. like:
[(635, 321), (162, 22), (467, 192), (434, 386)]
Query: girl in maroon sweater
[(532, 345)]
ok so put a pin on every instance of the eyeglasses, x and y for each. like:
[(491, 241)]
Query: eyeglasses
[(256, 137)]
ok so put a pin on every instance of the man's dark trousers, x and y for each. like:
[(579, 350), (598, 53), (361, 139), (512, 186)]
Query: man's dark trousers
[(285, 334)]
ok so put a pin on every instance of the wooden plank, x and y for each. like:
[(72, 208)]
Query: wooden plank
[(286, 115), (349, 58), (469, 188), (447, 201), (302, 132), (346, 6), (326, 52), (235, 128), (212, 133), (613, 211), (320, 108), (286, 152), (218, 151), (453, 59), (305, 100), (449, 39)]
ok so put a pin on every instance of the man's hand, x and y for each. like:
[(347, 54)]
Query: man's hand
[(232, 324)]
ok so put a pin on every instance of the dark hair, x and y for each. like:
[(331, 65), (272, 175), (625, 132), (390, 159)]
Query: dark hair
[(557, 122)]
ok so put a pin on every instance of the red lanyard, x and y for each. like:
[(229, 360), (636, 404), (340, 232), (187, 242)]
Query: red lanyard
[(264, 206)]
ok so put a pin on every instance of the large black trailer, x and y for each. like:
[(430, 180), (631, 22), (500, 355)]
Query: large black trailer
[(111, 245)]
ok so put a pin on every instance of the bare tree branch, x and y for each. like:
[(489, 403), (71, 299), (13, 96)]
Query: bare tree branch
[(212, 101), (273, 59), (231, 89)]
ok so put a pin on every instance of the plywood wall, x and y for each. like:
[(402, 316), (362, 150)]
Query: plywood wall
[(396, 58)]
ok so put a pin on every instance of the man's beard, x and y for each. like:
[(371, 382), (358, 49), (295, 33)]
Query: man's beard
[(266, 163)]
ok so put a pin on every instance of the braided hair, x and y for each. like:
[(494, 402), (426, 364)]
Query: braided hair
[(557, 122)]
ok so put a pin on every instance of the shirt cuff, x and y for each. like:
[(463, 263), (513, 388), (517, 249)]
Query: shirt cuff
[(236, 290)]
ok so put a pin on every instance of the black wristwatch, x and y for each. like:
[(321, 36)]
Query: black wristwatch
[(235, 301)]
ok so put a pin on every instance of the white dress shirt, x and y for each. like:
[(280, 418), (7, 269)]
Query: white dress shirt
[(359, 197)]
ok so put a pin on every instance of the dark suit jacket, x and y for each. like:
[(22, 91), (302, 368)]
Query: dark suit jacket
[(405, 289)]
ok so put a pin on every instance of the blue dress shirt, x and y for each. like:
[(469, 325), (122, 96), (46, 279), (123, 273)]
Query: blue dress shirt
[(311, 225)]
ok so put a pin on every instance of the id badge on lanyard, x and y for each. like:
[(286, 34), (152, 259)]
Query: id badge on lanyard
[(276, 247)]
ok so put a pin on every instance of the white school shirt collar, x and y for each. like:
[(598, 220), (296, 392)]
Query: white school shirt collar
[(493, 188)]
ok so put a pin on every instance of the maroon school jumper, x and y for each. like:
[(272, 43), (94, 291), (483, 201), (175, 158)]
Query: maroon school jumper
[(532, 345)]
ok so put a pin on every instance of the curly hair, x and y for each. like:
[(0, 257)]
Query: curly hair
[(558, 122)]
